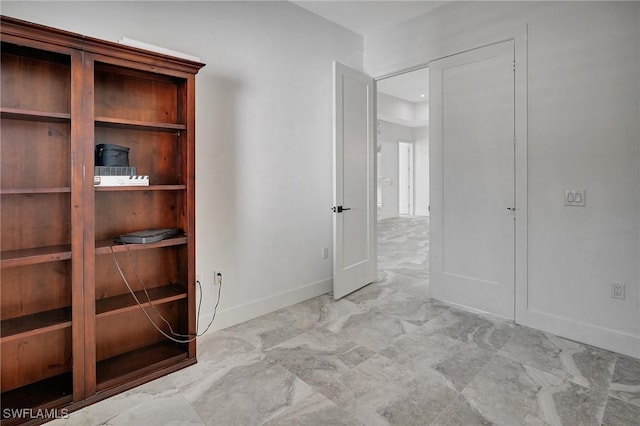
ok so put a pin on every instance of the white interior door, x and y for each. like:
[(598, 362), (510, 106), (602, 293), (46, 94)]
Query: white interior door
[(354, 195), (405, 178), (472, 179)]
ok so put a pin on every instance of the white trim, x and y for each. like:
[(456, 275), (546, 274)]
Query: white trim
[(250, 310), (602, 337)]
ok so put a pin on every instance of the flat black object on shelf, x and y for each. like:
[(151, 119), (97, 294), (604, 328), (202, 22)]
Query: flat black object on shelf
[(149, 235)]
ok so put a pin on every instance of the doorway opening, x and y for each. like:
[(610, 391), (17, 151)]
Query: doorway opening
[(403, 174), (405, 178)]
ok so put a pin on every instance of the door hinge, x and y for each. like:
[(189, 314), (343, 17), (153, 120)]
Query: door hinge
[(514, 65)]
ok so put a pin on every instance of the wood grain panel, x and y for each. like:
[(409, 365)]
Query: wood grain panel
[(135, 97), (29, 289), (157, 267), (35, 154), (35, 358), (119, 334), (35, 220), (33, 83)]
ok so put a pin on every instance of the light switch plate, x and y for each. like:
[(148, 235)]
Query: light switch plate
[(575, 197)]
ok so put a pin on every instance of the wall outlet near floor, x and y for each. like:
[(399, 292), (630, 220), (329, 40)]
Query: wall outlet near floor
[(217, 277), (617, 290), (325, 252)]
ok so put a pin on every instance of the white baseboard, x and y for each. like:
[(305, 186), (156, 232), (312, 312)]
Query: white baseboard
[(241, 313), (601, 337)]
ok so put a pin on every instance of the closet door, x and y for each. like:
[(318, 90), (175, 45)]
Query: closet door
[(472, 141)]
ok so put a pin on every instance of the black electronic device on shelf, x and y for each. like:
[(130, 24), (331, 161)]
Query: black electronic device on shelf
[(149, 235)]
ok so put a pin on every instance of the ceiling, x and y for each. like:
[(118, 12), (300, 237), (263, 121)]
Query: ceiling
[(408, 86), (362, 16)]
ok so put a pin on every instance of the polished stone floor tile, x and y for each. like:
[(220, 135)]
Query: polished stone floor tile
[(320, 357), (584, 365), (460, 413), (371, 329), (486, 332), (384, 355), (246, 395), (156, 402), (507, 392), (625, 384), (620, 413), (315, 410), (382, 392), (455, 361)]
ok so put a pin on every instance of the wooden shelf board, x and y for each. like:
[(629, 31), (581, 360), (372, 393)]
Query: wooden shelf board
[(136, 124), (26, 114), (52, 392), (27, 191), (32, 256), (126, 302), (123, 368), (141, 188), (31, 325), (104, 247)]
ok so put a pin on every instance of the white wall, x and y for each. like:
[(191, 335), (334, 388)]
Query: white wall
[(421, 112), (583, 132), (395, 108), (264, 139), (421, 178), (389, 180), (388, 137), (401, 120)]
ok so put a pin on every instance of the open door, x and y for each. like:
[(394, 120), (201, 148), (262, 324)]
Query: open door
[(354, 191)]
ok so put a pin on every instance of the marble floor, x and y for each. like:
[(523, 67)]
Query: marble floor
[(386, 354)]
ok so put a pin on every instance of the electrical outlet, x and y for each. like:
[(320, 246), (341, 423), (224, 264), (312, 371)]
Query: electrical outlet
[(617, 290), (325, 252), (217, 277), (198, 278)]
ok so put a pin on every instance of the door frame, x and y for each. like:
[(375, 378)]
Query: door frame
[(410, 176), (518, 33)]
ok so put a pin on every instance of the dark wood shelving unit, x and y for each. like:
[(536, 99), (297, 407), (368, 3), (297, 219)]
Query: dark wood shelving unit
[(128, 366), (140, 125), (141, 188), (109, 246), (30, 325), (23, 191), (32, 256), (71, 332), (126, 302), (32, 115)]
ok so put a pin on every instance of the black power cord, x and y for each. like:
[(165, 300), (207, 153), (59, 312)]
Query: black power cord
[(174, 336)]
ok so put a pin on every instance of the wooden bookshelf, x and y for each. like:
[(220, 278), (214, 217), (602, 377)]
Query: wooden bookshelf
[(62, 296)]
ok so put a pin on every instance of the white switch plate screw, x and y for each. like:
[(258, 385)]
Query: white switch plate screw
[(617, 290)]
